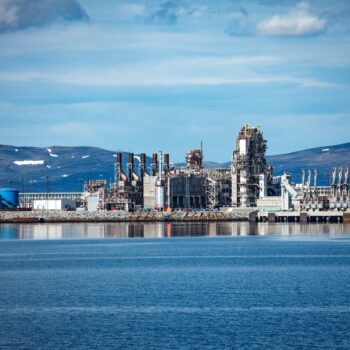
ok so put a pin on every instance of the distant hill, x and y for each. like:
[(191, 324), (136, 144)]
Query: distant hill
[(322, 158), (68, 167)]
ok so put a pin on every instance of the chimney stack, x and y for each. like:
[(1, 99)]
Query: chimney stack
[(131, 166), (166, 164), (142, 165), (119, 165), (154, 164)]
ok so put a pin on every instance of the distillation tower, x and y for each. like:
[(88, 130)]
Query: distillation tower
[(248, 166)]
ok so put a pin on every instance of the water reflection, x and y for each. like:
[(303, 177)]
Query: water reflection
[(160, 230)]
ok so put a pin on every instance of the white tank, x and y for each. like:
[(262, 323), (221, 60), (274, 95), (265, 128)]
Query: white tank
[(160, 195)]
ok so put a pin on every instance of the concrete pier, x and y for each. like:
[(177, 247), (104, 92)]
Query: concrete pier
[(305, 217)]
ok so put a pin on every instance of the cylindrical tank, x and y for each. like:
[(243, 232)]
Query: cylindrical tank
[(160, 195), (9, 197)]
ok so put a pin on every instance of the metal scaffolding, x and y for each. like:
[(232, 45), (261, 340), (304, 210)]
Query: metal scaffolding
[(218, 188), (248, 162)]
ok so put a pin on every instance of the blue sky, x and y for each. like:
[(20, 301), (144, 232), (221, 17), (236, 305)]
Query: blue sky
[(144, 76)]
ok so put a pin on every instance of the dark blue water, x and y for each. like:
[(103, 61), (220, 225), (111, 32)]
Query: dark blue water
[(289, 291)]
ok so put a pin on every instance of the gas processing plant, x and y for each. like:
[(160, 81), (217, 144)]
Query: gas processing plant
[(154, 184)]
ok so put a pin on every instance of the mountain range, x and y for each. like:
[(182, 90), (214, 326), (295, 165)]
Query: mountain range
[(59, 168)]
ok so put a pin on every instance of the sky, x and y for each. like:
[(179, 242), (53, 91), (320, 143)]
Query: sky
[(144, 76)]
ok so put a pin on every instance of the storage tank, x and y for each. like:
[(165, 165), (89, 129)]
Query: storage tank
[(9, 197), (160, 195)]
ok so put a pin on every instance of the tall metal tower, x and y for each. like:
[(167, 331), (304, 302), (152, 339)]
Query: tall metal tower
[(248, 163)]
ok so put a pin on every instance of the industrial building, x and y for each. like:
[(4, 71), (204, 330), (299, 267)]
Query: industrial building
[(127, 190), (253, 183), (248, 167), (176, 189), (94, 195), (142, 183), (26, 199), (186, 190), (54, 204)]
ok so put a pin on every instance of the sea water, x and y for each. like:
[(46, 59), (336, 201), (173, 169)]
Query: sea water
[(179, 286)]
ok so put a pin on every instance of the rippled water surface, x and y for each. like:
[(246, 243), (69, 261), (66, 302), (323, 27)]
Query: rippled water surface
[(193, 286)]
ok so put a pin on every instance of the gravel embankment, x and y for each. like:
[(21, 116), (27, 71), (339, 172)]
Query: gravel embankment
[(110, 216)]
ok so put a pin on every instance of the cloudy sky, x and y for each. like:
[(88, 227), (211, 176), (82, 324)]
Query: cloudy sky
[(163, 75)]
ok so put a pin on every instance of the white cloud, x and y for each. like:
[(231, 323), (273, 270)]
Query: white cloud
[(22, 14), (299, 22)]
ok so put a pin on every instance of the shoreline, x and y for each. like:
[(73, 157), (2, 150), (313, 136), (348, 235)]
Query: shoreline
[(228, 215), (54, 216)]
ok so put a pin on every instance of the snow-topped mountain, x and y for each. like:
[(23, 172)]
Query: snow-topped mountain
[(67, 168)]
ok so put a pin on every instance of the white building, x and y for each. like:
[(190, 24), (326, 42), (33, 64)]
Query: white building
[(54, 204)]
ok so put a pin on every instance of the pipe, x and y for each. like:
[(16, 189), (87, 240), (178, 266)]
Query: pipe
[(161, 164), (334, 175), (340, 176), (315, 178), (303, 177), (346, 177), (308, 178)]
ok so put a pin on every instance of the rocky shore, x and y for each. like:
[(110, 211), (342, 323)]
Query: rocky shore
[(114, 216)]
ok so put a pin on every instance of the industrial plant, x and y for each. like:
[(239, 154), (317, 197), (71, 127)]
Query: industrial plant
[(143, 184)]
